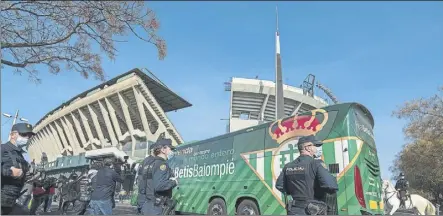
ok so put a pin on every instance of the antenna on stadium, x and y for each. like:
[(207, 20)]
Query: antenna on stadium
[(279, 98)]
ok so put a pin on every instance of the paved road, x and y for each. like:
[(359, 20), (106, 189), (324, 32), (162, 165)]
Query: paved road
[(120, 209), (127, 209), (404, 212)]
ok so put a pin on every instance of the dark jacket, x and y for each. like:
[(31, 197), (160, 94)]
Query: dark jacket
[(158, 182), (402, 184), (303, 178), (12, 156), (141, 181), (106, 181)]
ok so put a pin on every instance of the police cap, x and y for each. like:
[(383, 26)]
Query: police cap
[(162, 143), (152, 146), (310, 138), (23, 128)]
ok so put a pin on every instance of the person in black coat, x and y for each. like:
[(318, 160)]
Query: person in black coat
[(14, 167)]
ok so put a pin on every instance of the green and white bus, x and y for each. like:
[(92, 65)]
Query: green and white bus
[(236, 173)]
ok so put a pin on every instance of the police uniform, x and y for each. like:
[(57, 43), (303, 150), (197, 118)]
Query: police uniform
[(402, 186), (159, 185), (141, 183), (302, 179), (12, 156)]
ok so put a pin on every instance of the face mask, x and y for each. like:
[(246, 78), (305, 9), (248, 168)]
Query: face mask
[(319, 152), (21, 141), (170, 155)]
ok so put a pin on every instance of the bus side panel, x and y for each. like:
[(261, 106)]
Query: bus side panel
[(357, 148), (342, 151), (350, 155), (368, 163), (340, 155), (253, 167), (244, 183), (204, 171), (370, 185)]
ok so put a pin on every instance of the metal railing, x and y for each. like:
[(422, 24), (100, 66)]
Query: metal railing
[(437, 209)]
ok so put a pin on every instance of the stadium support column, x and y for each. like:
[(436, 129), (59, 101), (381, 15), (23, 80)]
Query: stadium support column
[(125, 109), (75, 144), (114, 119), (279, 98), (40, 137), (61, 134), (29, 147), (33, 149), (39, 149), (50, 136), (161, 126), (41, 143), (57, 138), (50, 150), (97, 126), (80, 133), (69, 134), (51, 141), (105, 114), (263, 108), (87, 128), (141, 109)]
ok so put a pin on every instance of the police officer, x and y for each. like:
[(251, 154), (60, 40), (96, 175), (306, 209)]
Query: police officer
[(141, 181), (402, 186), (14, 166), (299, 179), (159, 180)]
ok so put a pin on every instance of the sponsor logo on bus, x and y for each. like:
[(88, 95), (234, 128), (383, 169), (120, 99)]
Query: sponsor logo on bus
[(297, 126), (286, 133)]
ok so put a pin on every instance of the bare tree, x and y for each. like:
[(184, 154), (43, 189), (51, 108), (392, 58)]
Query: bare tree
[(422, 159), (52, 33)]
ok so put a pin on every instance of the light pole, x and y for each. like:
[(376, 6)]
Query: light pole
[(15, 120)]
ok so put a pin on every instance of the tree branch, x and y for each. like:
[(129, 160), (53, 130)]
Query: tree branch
[(25, 45)]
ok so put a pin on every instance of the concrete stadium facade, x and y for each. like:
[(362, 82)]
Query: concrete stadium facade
[(128, 112), (253, 102)]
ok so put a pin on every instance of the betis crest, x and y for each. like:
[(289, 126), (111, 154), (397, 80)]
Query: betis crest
[(267, 164)]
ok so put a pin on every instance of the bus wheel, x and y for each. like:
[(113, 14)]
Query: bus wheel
[(247, 207), (217, 207)]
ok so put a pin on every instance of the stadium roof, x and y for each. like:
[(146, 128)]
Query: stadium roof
[(167, 99)]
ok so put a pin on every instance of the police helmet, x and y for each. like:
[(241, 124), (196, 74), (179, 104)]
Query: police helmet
[(24, 129), (402, 174), (305, 139), (163, 143)]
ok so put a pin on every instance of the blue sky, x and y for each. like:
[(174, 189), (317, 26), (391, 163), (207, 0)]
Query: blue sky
[(376, 53)]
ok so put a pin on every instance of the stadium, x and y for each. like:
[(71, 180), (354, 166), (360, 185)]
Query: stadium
[(127, 112), (253, 101)]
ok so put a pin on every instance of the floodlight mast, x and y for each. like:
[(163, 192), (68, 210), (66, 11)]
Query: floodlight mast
[(279, 98)]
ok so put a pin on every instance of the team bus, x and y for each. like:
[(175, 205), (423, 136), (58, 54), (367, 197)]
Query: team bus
[(236, 173)]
